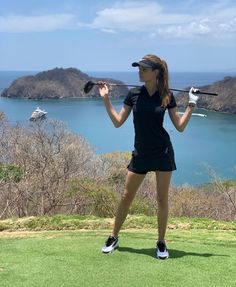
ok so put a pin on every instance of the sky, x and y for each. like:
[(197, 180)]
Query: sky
[(107, 35)]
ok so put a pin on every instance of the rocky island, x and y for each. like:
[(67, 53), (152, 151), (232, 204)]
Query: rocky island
[(56, 84), (224, 102)]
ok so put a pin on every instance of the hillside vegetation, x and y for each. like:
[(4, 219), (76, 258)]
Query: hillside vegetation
[(45, 169)]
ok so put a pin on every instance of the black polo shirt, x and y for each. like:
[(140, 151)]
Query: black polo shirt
[(148, 115)]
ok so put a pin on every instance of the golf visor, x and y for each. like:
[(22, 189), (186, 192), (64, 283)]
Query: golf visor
[(145, 63)]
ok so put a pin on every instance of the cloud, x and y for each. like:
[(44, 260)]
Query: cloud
[(188, 19), (135, 16), (52, 22), (215, 20)]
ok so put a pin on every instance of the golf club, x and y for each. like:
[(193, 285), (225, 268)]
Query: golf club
[(90, 84)]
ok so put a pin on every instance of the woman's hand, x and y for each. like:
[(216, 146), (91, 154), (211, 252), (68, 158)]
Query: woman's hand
[(117, 118), (193, 98), (103, 89)]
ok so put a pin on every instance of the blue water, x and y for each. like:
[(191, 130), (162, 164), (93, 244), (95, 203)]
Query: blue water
[(207, 142)]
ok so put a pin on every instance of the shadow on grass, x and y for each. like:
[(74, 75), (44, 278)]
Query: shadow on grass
[(146, 251), (173, 252)]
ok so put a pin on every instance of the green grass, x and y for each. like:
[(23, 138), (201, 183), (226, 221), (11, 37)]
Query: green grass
[(198, 256)]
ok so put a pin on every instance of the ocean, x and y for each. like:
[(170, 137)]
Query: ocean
[(207, 144)]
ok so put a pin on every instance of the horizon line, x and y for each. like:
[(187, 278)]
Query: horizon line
[(127, 71)]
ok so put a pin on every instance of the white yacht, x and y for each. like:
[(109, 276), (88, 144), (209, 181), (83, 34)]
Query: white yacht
[(38, 114)]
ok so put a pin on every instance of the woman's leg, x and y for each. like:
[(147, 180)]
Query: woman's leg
[(162, 184), (132, 184)]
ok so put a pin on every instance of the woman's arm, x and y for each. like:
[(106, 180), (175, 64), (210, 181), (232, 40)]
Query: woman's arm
[(181, 122), (117, 118)]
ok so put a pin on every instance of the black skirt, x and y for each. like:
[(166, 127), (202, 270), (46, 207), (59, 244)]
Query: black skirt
[(163, 160)]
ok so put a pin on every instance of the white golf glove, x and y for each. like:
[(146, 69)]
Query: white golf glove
[(193, 98)]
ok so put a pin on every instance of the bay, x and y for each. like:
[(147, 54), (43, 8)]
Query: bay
[(207, 143)]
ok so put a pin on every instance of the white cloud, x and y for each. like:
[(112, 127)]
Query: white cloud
[(215, 20), (135, 16), (186, 20), (16, 23), (229, 27), (109, 31)]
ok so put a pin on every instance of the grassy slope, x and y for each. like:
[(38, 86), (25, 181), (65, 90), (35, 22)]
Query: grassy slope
[(199, 256)]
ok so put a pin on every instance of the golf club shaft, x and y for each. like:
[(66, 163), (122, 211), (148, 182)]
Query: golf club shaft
[(175, 90), (198, 92), (123, 85)]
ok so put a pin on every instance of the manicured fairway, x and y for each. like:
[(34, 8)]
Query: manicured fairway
[(73, 258)]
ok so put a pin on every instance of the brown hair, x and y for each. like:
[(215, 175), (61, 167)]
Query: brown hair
[(163, 78)]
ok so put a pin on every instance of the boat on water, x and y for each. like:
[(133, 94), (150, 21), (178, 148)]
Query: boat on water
[(38, 114), (195, 114)]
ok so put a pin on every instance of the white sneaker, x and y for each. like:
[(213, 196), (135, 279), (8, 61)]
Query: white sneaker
[(110, 245), (162, 251)]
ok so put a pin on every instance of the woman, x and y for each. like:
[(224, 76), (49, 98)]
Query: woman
[(152, 147)]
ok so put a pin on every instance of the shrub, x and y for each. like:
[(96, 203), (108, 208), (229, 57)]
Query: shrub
[(47, 155), (205, 201), (10, 173), (143, 206), (89, 197)]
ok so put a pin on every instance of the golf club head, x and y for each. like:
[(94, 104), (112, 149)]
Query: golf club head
[(88, 86)]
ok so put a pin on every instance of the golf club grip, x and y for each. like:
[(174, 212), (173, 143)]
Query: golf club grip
[(207, 93)]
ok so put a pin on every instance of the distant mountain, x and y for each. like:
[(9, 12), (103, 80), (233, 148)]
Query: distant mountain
[(224, 102), (58, 83)]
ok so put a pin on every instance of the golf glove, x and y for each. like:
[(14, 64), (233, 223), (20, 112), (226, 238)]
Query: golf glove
[(193, 98)]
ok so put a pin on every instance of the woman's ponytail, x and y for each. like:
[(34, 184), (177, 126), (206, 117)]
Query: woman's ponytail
[(163, 84)]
